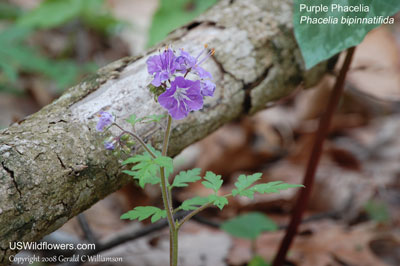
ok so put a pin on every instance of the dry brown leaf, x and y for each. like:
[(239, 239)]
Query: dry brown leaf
[(322, 243)]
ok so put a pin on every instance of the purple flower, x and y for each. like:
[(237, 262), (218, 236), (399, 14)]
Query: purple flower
[(109, 145), (207, 88), (183, 96), (187, 62), (106, 119), (163, 66)]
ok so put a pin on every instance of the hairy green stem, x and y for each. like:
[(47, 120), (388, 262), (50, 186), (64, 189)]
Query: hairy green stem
[(164, 153), (167, 200), (171, 246), (175, 248), (167, 208), (139, 139), (193, 213)]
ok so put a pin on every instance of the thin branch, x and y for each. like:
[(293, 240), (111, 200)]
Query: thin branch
[(193, 213), (137, 138), (314, 159), (87, 231), (200, 209)]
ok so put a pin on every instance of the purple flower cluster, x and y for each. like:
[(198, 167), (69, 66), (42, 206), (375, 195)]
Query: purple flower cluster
[(109, 145), (105, 120), (181, 94)]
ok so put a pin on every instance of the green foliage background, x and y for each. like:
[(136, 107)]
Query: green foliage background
[(17, 56), (172, 14)]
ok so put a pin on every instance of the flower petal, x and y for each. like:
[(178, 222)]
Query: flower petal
[(207, 88), (153, 64), (106, 119), (202, 73)]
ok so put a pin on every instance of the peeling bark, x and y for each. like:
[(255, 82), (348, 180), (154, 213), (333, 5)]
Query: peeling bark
[(53, 164)]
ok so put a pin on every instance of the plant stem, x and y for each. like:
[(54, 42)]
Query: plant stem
[(314, 159), (171, 246), (137, 138), (167, 207), (175, 248), (164, 153), (193, 213), (166, 196)]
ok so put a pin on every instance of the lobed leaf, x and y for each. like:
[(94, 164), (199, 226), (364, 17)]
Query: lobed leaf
[(144, 212), (193, 203), (213, 181), (167, 163), (132, 119), (144, 170), (273, 187), (219, 201), (185, 177), (243, 183), (152, 118), (137, 158)]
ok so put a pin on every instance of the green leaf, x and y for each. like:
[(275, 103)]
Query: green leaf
[(185, 177), (95, 14), (249, 226), (144, 212), (321, 41), (273, 187), (258, 261), (9, 11), (137, 158), (172, 14), (144, 179), (165, 162), (219, 201), (14, 34), (132, 119), (193, 203), (51, 13), (20, 57), (54, 13), (377, 211), (152, 118), (145, 169), (9, 71), (243, 183), (146, 119), (213, 181)]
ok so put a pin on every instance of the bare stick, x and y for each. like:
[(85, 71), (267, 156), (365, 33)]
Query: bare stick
[(315, 156)]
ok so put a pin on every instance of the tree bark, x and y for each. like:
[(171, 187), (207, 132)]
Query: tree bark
[(53, 163)]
